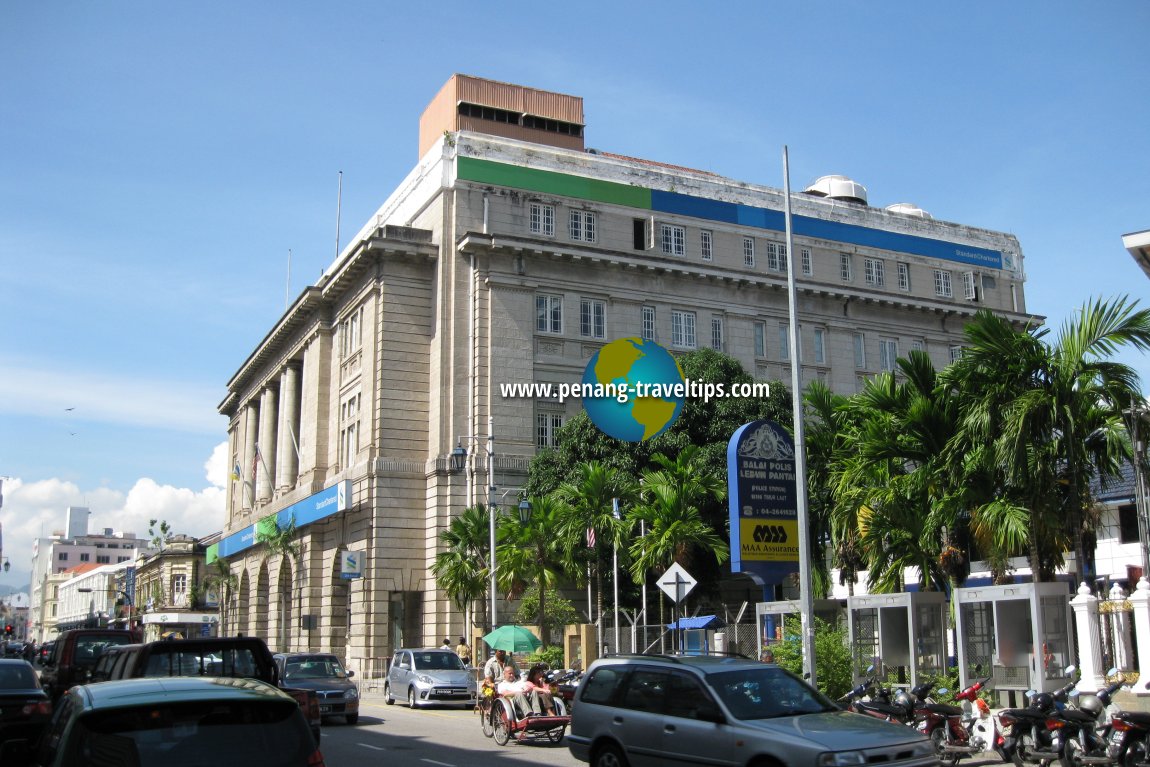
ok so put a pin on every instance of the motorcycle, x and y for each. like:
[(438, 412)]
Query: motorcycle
[(563, 683), (1129, 736), (1083, 733), (956, 731), (1022, 732)]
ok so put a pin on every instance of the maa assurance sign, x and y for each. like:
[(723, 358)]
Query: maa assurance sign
[(763, 502)]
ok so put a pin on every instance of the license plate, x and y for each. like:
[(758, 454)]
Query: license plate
[(325, 709), (1116, 737)]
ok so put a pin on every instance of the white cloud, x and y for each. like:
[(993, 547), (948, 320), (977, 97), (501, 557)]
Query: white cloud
[(38, 509)]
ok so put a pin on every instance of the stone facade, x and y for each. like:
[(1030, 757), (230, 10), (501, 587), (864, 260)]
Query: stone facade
[(498, 261)]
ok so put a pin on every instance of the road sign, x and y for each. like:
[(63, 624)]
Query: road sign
[(676, 582)]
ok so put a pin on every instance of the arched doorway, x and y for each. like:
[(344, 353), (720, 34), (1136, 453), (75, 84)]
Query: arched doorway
[(243, 595), (338, 608), (259, 627), (283, 602)]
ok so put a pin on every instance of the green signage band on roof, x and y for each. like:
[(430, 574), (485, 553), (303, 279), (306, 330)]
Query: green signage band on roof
[(212, 553), (550, 182)]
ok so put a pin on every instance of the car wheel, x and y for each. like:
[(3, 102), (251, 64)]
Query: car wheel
[(609, 756), (351, 718), (411, 697), (388, 698)]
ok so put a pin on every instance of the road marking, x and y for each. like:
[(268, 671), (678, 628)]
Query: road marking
[(373, 748), (441, 764)]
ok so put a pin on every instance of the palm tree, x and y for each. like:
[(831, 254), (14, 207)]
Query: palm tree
[(221, 578), (670, 507), (461, 567), (532, 554), (590, 511)]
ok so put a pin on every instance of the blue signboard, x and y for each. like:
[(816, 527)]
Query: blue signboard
[(763, 502), (130, 584), (325, 503)]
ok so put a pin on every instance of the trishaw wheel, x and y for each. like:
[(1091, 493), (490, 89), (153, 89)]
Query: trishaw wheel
[(556, 735), (501, 725)]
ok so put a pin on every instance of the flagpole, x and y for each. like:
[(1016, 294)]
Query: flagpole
[(338, 206), (806, 595), (615, 570)]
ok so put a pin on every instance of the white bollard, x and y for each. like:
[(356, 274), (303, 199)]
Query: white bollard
[(1085, 607), (1140, 601)]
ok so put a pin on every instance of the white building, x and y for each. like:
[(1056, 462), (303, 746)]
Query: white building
[(509, 255)]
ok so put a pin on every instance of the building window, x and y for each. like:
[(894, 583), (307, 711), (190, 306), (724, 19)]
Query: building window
[(918, 345), (968, 290), (749, 251), (860, 350), (546, 426), (820, 346), (955, 353), (62, 556), (648, 323), (808, 268), (349, 430), (717, 333), (875, 272), (784, 341), (351, 333), (179, 589), (674, 240), (776, 256), (582, 225), (639, 233), (1127, 524), (942, 283), (887, 353), (706, 242), (85, 557), (683, 330), (549, 314), (103, 559), (543, 219), (760, 339), (845, 270), (592, 318), (903, 276), (121, 559)]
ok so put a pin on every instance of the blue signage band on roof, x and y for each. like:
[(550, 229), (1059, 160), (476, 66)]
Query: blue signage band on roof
[(325, 503)]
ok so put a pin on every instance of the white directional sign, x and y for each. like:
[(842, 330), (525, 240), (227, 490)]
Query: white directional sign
[(676, 582)]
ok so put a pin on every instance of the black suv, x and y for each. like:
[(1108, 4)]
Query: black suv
[(74, 655)]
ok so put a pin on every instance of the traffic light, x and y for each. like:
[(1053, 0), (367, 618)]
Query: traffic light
[(8, 629)]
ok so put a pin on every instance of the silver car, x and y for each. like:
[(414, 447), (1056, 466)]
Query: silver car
[(429, 677), (657, 710)]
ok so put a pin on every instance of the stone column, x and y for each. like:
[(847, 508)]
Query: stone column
[(1085, 607), (266, 462), (1140, 601), (1120, 629), (251, 426), (287, 469)]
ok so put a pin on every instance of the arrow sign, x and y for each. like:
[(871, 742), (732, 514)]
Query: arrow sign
[(676, 583)]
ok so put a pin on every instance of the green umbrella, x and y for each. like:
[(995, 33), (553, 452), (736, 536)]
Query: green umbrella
[(512, 639)]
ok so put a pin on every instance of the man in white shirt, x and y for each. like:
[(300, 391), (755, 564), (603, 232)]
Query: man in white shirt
[(521, 692)]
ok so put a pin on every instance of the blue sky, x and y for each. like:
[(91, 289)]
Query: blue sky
[(157, 165)]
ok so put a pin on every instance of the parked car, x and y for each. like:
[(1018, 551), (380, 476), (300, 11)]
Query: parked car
[(13, 649), (178, 722), (74, 655), (24, 706), (324, 673), (428, 677), (238, 657), (653, 710)]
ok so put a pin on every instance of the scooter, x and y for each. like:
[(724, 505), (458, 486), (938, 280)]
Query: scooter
[(956, 731), (1084, 732), (1022, 731), (1129, 739)]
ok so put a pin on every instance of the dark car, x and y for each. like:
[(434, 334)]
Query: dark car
[(74, 655), (13, 649), (324, 673), (173, 722), (239, 657), (44, 652), (24, 706)]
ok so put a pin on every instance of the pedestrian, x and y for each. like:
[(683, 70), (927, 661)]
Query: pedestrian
[(463, 650), (497, 663), (446, 644)]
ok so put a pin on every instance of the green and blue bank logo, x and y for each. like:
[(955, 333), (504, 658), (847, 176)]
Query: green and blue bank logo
[(633, 389)]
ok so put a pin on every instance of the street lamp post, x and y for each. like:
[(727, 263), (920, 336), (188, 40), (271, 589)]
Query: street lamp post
[(457, 462), (1138, 442)]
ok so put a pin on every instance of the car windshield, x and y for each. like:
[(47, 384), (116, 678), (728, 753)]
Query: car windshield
[(437, 661), (89, 649), (767, 693), (192, 733), (325, 667)]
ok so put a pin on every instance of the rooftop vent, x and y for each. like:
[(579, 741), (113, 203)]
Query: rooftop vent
[(837, 188), (908, 209)]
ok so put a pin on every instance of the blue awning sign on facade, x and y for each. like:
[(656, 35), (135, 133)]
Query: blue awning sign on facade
[(325, 503)]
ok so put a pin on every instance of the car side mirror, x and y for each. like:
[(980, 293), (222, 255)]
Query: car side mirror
[(350, 673)]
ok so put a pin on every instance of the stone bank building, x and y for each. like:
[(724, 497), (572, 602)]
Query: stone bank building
[(510, 254)]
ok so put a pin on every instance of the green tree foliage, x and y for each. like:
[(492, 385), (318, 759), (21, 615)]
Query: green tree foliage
[(159, 536), (560, 612), (832, 655), (531, 555), (460, 568)]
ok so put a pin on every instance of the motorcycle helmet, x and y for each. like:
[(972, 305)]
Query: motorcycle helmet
[(1044, 701), (1091, 703), (903, 699)]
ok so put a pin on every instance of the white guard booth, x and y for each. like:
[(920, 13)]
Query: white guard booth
[(903, 635), (769, 617), (1020, 634)]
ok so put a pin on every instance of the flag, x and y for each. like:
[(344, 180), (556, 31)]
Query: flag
[(236, 473), (255, 464), (590, 537), (615, 508)]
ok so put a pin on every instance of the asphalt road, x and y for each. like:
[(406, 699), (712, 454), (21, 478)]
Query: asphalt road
[(435, 737)]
